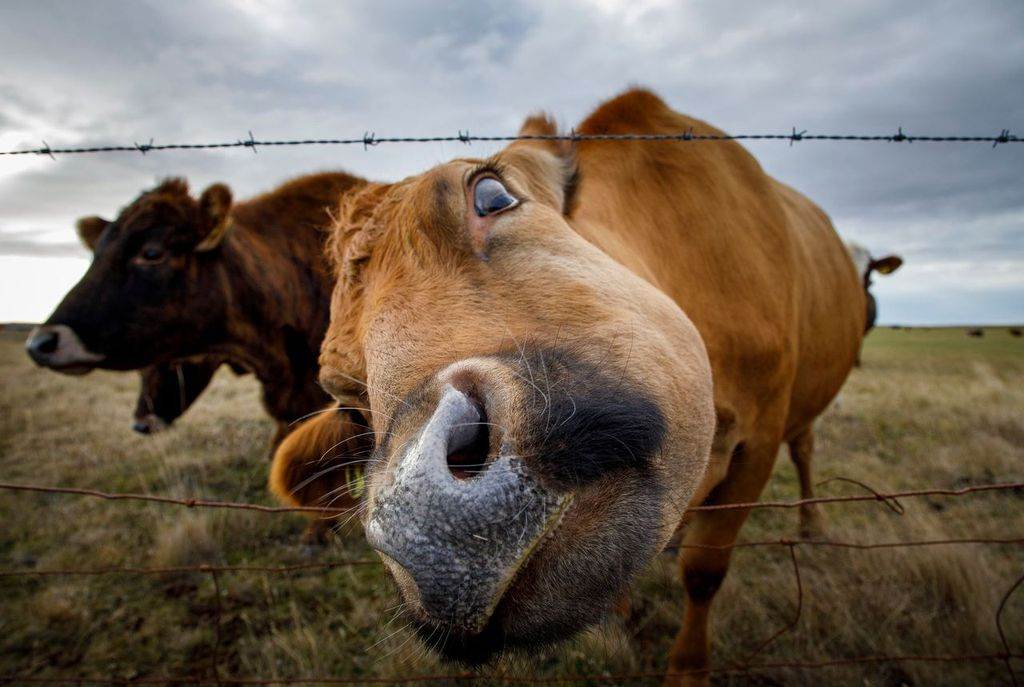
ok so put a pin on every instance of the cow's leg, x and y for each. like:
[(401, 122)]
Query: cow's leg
[(704, 563), (801, 451)]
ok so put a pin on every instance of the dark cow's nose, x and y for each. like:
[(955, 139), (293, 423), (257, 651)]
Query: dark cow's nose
[(141, 427), (42, 344), (58, 347)]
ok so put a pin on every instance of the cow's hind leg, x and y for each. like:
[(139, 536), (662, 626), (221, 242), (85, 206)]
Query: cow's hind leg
[(704, 556), (801, 451)]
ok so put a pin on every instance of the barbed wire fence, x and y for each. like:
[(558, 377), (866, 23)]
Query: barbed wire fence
[(217, 676), (369, 139)]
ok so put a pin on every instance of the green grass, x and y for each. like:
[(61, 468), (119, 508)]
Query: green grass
[(928, 408)]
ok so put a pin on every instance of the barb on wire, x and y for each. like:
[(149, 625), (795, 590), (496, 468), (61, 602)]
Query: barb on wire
[(144, 148), (370, 139), (890, 501), (249, 142)]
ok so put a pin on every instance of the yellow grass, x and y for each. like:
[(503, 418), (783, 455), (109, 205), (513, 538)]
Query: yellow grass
[(929, 408)]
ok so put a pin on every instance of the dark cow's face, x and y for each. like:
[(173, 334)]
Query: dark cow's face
[(152, 291), (543, 415), (167, 391)]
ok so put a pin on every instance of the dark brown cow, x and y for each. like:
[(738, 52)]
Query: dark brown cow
[(536, 334), (175, 278), (169, 389)]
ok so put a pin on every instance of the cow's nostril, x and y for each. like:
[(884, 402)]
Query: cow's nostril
[(45, 342), (467, 457)]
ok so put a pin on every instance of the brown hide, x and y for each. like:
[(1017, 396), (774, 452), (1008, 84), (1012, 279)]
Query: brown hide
[(755, 266), (176, 278)]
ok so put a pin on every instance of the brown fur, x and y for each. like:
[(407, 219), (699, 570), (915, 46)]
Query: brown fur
[(756, 266), (248, 283), (322, 465)]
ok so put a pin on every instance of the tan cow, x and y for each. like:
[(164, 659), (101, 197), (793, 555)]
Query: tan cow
[(521, 328)]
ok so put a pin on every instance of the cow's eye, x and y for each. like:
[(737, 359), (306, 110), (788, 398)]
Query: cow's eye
[(151, 255), (490, 196)]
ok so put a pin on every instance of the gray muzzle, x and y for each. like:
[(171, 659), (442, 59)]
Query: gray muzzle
[(461, 541)]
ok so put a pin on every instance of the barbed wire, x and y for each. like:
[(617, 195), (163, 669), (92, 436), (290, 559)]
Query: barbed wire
[(886, 498), (520, 679), (370, 139), (1006, 656), (328, 565)]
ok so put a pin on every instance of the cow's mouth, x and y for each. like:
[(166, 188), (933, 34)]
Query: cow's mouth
[(73, 369), (150, 424), (477, 646)]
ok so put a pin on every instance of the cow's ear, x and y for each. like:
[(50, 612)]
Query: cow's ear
[(89, 230), (549, 164), (887, 265), (214, 211), (320, 463)]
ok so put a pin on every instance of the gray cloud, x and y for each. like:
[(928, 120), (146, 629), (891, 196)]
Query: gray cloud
[(26, 243), (116, 72)]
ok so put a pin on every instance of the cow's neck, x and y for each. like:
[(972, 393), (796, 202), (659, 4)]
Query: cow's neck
[(273, 322)]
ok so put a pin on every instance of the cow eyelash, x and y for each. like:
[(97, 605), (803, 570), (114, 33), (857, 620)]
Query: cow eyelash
[(484, 169)]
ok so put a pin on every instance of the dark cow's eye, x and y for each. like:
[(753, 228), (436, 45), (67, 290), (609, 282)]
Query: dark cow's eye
[(151, 255), (490, 196)]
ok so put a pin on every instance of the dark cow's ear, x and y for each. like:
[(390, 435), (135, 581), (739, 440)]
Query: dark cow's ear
[(89, 230), (214, 211), (887, 265), (549, 163)]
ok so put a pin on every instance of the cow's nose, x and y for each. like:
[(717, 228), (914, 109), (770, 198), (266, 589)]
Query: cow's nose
[(149, 424), (42, 344), (444, 521)]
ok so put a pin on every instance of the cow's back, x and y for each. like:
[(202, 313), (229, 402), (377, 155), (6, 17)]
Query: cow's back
[(279, 238), (744, 257)]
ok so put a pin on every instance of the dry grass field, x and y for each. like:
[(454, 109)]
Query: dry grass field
[(928, 408)]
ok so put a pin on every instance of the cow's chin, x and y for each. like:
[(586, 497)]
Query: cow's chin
[(571, 581), (73, 369)]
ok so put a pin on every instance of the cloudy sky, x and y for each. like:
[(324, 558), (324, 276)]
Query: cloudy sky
[(78, 73)]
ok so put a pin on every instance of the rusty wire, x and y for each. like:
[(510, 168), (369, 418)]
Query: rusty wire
[(519, 679), (748, 666), (328, 565), (885, 498), (155, 498), (370, 139)]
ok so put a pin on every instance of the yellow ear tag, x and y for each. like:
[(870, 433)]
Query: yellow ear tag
[(356, 480)]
